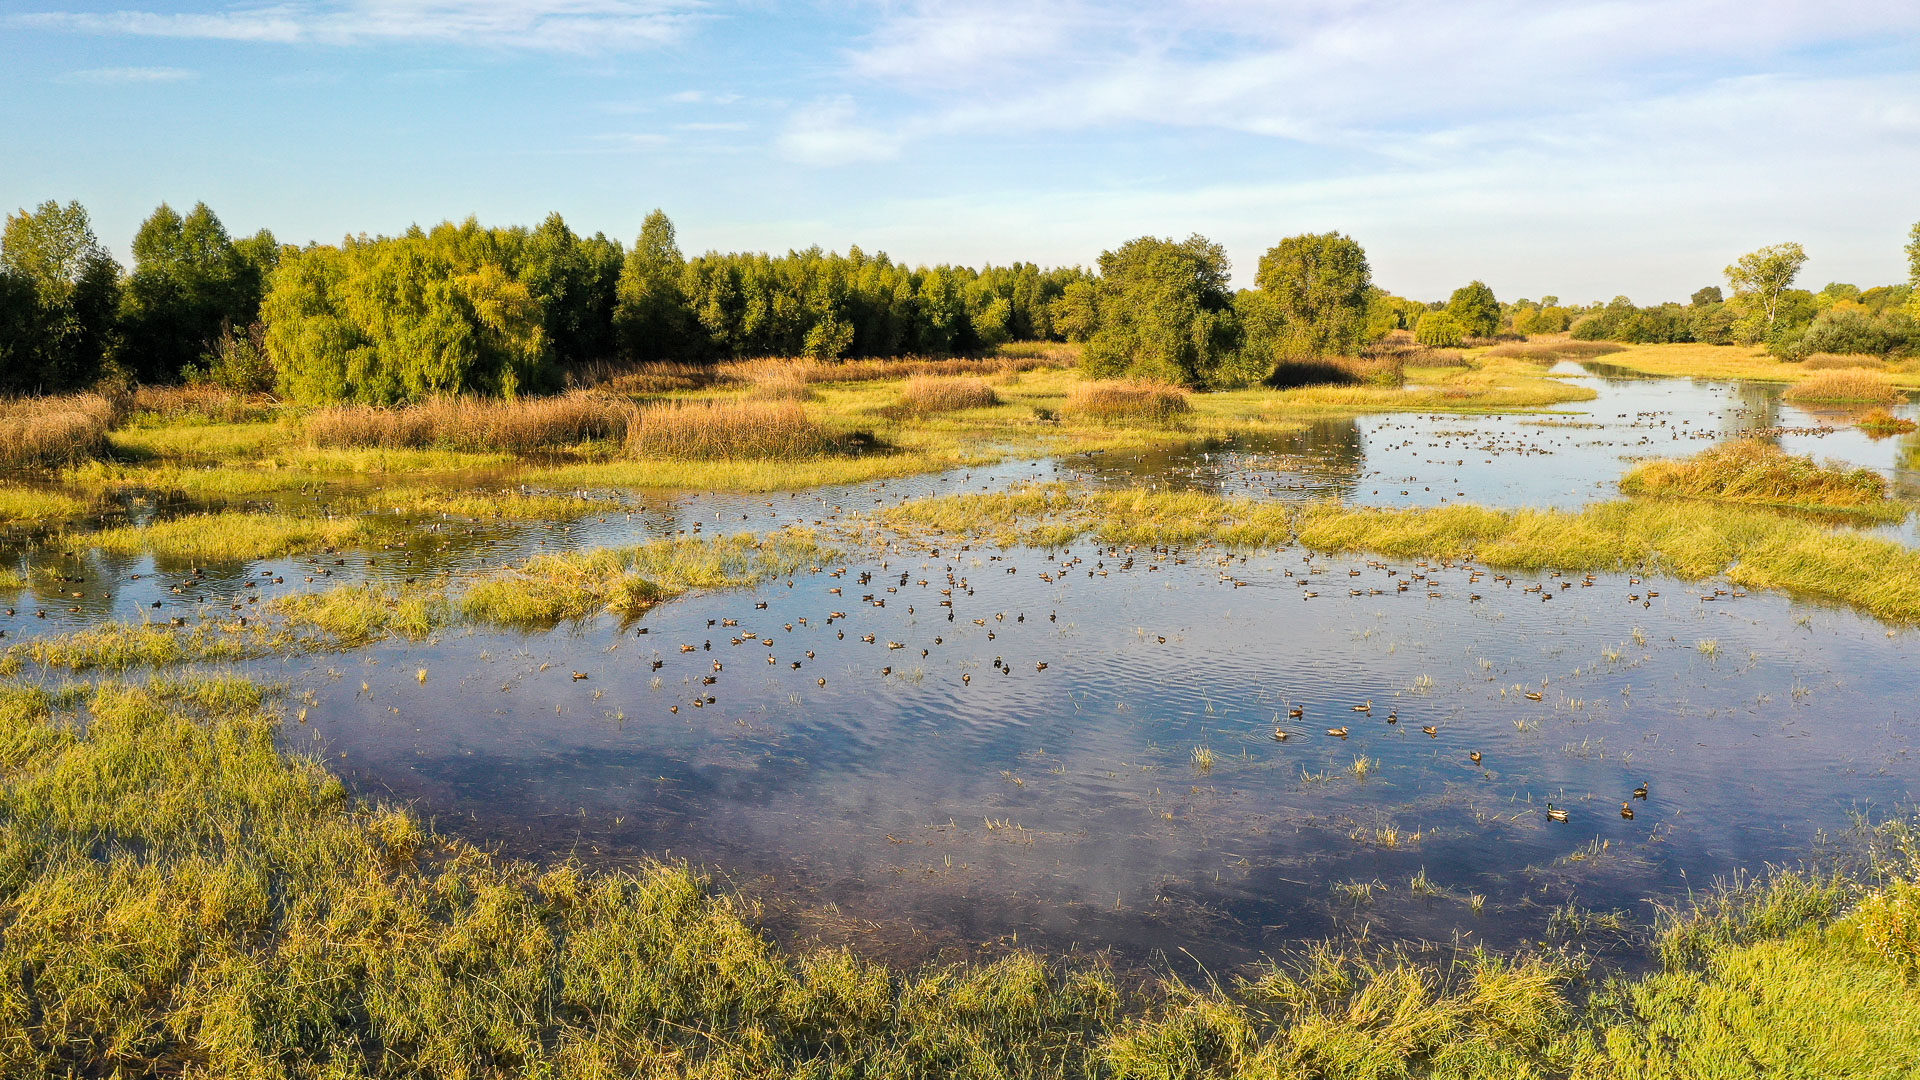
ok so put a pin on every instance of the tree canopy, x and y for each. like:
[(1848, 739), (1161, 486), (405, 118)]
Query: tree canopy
[(59, 291), (190, 282), (1165, 312), (1474, 308), (1760, 280), (1316, 289)]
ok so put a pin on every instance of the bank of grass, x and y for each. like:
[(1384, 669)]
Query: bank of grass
[(725, 430), (1748, 546), (521, 426), (39, 505), (1126, 402), (548, 589), (1553, 349), (228, 536), (49, 432), (1845, 386), (1756, 472), (123, 646), (180, 897), (361, 613), (924, 394), (1486, 384)]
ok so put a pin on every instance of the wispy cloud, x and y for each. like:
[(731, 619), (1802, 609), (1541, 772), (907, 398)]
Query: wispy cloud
[(133, 75), (827, 133), (584, 26)]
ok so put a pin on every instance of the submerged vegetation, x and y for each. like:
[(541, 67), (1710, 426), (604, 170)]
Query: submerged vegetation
[(184, 897)]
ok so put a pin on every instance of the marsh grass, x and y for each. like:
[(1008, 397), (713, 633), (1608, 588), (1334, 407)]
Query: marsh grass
[(1752, 471), (1386, 369), (1880, 423), (521, 426), (121, 646), (1833, 361), (360, 613), (49, 432), (726, 430), (549, 589), (1553, 350), (925, 394), (228, 536), (1126, 402), (1851, 384), (200, 403), (37, 504), (183, 898)]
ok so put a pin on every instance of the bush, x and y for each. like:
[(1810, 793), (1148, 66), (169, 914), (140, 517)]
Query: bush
[(931, 394), (46, 432), (1852, 330), (474, 424), (1439, 330), (704, 430), (1127, 402), (1845, 385)]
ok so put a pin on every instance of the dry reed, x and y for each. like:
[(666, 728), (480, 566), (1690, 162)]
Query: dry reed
[(1126, 401), (1821, 361), (725, 429), (45, 432), (1845, 384), (201, 402), (1380, 367), (1549, 350), (874, 370), (932, 394), (464, 423)]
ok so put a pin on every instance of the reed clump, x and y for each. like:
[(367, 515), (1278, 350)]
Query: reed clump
[(1127, 402), (1840, 362), (1380, 367), (925, 394), (50, 432), (780, 382), (521, 425), (877, 370), (1553, 350), (1880, 423), (1845, 385), (201, 402), (698, 430), (1752, 471)]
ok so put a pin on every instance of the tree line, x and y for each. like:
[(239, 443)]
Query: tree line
[(462, 308)]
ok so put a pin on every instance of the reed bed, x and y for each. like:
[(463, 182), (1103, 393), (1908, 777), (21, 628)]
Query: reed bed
[(523, 425), (780, 383), (1845, 385), (183, 898), (1127, 402), (926, 394), (1880, 423), (201, 402), (50, 432), (703, 430), (1752, 471), (876, 370), (1553, 350), (1385, 368)]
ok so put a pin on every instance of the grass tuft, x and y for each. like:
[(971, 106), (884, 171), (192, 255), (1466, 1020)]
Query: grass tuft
[(1752, 471), (523, 425), (926, 394), (1126, 402), (49, 432), (1844, 385), (725, 430)]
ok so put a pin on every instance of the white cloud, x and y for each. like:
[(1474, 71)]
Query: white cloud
[(135, 75), (546, 25), (825, 133)]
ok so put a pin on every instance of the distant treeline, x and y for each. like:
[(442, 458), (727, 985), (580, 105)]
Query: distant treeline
[(464, 308)]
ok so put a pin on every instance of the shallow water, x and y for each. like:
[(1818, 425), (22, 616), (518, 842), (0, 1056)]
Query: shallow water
[(968, 797)]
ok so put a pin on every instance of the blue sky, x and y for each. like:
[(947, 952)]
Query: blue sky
[(1582, 148)]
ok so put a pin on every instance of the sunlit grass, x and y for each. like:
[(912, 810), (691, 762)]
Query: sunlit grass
[(31, 505), (1751, 471), (226, 537)]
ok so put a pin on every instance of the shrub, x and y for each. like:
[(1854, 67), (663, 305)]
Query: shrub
[(476, 424), (725, 429), (46, 432), (1130, 401), (1845, 385), (932, 394), (1439, 330)]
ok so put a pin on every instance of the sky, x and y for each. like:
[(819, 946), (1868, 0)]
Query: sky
[(1582, 149)]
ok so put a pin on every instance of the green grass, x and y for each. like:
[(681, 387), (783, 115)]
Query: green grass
[(119, 646), (1692, 541), (229, 536), (549, 589), (31, 506), (180, 897), (356, 614)]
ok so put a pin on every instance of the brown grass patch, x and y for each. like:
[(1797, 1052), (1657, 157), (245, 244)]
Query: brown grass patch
[(874, 370), (47, 432), (1126, 401), (780, 382), (655, 378), (1880, 423), (1552, 350), (1385, 367), (201, 402), (725, 429), (933, 393), (1845, 384), (464, 423), (1823, 361), (1752, 471)]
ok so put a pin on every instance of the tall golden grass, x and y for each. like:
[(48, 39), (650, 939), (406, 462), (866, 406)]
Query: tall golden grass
[(464, 423), (203, 402), (725, 429), (45, 432), (1549, 350), (1379, 367), (1845, 384), (780, 382), (1126, 401), (873, 370), (1752, 471), (1822, 361), (933, 393)]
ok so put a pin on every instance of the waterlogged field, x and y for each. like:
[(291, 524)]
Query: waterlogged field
[(1157, 700)]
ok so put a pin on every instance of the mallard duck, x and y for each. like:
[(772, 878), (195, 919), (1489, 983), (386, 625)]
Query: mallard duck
[(1431, 730), (1641, 791), (1366, 707), (1337, 732), (1626, 810), (1297, 712), (1474, 757), (1554, 813)]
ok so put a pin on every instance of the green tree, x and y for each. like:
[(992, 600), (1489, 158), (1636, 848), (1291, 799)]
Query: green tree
[(1760, 280), (1439, 330), (575, 279), (1316, 289), (59, 292), (1709, 295), (190, 283), (1165, 312), (1475, 310), (1075, 313), (651, 317)]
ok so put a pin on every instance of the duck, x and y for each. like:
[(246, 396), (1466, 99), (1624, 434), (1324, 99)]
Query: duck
[(578, 675), (1533, 695), (1641, 791), (1474, 757), (1554, 813), (1626, 810), (1367, 707), (1431, 730), (1280, 734), (1297, 712), (1337, 732), (1393, 716)]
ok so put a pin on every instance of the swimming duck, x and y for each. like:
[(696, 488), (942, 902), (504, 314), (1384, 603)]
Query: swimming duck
[(1474, 757), (1555, 813), (1297, 712), (1626, 811), (1431, 730), (1533, 695), (1280, 735), (1393, 716), (1641, 791), (1367, 707), (1337, 732)]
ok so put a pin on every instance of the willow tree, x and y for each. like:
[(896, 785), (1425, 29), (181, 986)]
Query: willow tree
[(1311, 301), (1165, 312)]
